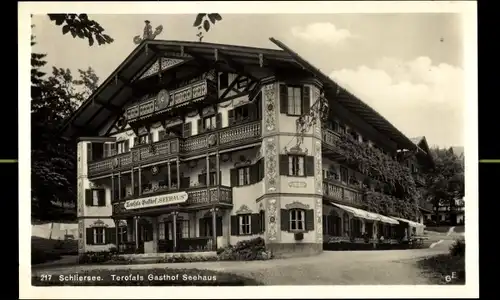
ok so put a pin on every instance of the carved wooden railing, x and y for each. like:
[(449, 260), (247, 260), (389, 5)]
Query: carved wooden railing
[(157, 151), (196, 196), (182, 96), (343, 193), (330, 137)]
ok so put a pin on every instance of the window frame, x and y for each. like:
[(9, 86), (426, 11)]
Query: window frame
[(291, 162), (245, 174), (96, 234), (293, 88), (120, 147), (300, 219), (245, 228), (95, 197), (213, 123)]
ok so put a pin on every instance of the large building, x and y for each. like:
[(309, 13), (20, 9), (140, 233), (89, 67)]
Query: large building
[(191, 146)]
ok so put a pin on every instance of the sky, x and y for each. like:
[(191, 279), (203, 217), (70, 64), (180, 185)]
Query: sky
[(408, 67)]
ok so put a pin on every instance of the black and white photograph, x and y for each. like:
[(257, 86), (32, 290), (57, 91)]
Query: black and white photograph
[(327, 145)]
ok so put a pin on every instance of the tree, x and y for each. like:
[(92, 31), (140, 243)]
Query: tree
[(203, 21), (53, 99), (445, 182), (79, 25)]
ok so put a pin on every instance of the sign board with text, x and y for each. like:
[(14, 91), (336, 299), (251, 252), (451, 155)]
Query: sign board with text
[(146, 202)]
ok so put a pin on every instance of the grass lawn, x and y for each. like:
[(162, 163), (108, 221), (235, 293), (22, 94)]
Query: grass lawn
[(150, 277), (443, 267), (44, 250)]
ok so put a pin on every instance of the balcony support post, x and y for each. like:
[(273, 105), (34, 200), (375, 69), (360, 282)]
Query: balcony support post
[(177, 162), (119, 186), (112, 187), (174, 228), (217, 169), (214, 228), (169, 175), (136, 232), (140, 181), (208, 171), (132, 180)]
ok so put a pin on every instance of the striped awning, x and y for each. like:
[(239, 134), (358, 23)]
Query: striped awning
[(412, 223), (363, 214)]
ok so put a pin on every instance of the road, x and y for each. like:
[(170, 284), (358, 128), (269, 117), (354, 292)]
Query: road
[(329, 268)]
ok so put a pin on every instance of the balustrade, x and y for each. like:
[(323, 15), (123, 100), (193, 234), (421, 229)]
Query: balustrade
[(341, 192), (196, 196), (157, 151)]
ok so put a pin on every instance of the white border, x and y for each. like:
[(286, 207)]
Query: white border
[(468, 9)]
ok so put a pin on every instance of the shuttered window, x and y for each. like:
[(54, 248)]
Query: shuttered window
[(99, 238), (296, 165), (244, 176), (294, 100)]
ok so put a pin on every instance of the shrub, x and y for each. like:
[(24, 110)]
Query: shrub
[(458, 248), (96, 257), (253, 249)]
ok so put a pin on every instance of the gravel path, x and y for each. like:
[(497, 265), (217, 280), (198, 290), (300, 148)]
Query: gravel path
[(329, 268)]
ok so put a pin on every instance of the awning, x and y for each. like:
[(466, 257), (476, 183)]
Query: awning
[(360, 213), (412, 223)]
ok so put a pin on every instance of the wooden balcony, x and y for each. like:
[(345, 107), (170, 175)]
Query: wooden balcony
[(192, 93), (158, 151), (197, 197), (341, 193)]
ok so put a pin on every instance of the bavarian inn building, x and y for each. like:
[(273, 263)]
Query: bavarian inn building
[(193, 146)]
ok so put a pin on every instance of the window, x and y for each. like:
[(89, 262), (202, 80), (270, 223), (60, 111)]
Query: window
[(294, 101), (122, 147), (122, 234), (223, 80), (143, 139), (297, 219), (99, 236), (95, 197), (244, 224), (241, 113), (344, 174), (185, 228), (244, 176), (296, 165), (209, 123), (262, 216), (161, 231)]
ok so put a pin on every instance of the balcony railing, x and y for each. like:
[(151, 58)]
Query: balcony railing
[(157, 151), (199, 195), (340, 192), (191, 93), (330, 137)]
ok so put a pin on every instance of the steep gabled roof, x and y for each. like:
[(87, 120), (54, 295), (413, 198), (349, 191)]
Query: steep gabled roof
[(108, 100), (423, 148)]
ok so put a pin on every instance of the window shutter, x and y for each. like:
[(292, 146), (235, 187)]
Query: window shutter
[(136, 141), (127, 145), (230, 117), (306, 99), (218, 226), (234, 225), (218, 120), (112, 149), (89, 236), (202, 227), (254, 173), (325, 222), (88, 197), (262, 221), (255, 223), (89, 152), (234, 177), (283, 164), (102, 197), (285, 220), (310, 219), (283, 99), (150, 137), (200, 125), (111, 235), (202, 178), (309, 166), (261, 169), (187, 129)]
